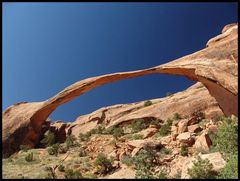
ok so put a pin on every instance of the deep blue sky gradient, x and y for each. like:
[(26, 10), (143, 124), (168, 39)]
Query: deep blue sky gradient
[(49, 46)]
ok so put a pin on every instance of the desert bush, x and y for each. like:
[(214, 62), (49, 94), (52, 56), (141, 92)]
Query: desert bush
[(201, 169), (176, 116), (162, 174), (53, 150), (165, 151), (99, 130), (136, 137), (90, 175), (49, 139), (165, 128), (144, 173), (230, 171), (184, 150), (117, 132), (29, 157), (198, 115), (108, 130), (103, 164), (226, 138), (143, 159), (155, 122), (62, 149), (84, 137), (61, 168), (127, 160), (138, 125), (147, 103), (82, 153), (71, 174), (24, 148), (70, 141)]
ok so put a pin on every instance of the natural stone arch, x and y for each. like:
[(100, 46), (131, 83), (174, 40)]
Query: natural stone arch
[(215, 66)]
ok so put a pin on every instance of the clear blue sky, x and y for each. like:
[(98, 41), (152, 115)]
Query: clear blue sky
[(48, 46)]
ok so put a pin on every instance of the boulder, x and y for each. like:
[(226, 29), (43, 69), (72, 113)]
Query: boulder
[(185, 138), (148, 132), (202, 143), (212, 128), (182, 126), (194, 128), (174, 132)]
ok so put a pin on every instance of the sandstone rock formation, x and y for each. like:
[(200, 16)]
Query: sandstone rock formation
[(195, 98), (215, 67)]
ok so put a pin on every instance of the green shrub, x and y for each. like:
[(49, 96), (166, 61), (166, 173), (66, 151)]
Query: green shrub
[(147, 103), (103, 164), (29, 157), (184, 150), (90, 175), (71, 174), (62, 149), (162, 174), (230, 171), (201, 169), (84, 137), (164, 130), (82, 153), (165, 151), (99, 130), (53, 150), (70, 141), (198, 116), (144, 158), (176, 116), (138, 125), (61, 168), (226, 138), (24, 148), (127, 160), (155, 122), (49, 139), (144, 173), (136, 137), (144, 161), (117, 132), (108, 130)]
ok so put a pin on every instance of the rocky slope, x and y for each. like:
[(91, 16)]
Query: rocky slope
[(214, 66), (125, 152)]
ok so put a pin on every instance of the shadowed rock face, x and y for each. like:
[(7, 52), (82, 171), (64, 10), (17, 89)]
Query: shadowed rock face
[(215, 66)]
